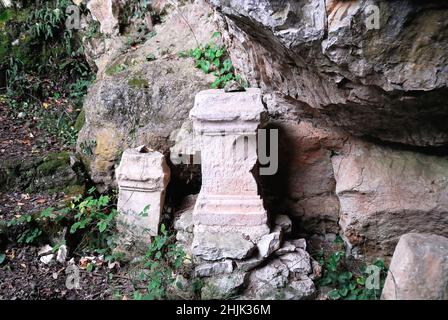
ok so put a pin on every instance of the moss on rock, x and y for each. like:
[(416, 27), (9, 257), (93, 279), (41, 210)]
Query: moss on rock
[(80, 120), (74, 190), (138, 83), (52, 162)]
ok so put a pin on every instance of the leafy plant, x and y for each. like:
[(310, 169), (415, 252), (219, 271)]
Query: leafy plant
[(213, 58), (87, 147), (29, 224), (93, 30), (161, 259), (94, 218), (40, 56), (347, 285)]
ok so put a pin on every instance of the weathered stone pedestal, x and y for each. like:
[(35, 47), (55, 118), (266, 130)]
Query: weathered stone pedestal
[(228, 206), (142, 178)]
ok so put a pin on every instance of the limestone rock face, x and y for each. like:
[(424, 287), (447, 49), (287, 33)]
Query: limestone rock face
[(329, 78), (328, 59), (103, 12), (304, 185), (139, 100), (297, 262), (419, 269), (385, 193)]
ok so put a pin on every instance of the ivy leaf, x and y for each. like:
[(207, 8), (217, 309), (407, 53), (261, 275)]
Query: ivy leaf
[(325, 281), (344, 277), (216, 83), (352, 296), (102, 225), (2, 257), (219, 53), (343, 292), (144, 213), (361, 281), (205, 66), (380, 264), (46, 213), (334, 294), (75, 227)]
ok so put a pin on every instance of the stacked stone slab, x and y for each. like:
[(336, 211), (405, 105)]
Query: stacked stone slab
[(275, 269)]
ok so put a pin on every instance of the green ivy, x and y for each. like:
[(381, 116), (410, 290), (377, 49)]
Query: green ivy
[(29, 224), (213, 58), (40, 55), (347, 285), (162, 258), (94, 218)]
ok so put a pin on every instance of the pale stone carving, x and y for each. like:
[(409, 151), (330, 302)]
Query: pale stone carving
[(142, 178), (226, 125)]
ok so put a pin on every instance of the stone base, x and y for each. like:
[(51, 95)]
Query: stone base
[(214, 243), (250, 233), (230, 210)]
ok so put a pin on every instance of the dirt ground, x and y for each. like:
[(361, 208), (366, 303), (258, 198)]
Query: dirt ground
[(22, 274)]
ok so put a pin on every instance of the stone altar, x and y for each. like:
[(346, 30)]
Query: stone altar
[(142, 178), (225, 125)]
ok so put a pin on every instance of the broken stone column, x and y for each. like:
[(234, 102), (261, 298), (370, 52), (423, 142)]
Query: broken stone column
[(228, 206), (142, 178)]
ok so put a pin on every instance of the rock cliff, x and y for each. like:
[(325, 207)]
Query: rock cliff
[(357, 90)]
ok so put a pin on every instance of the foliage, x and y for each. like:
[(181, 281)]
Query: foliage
[(163, 257), (213, 58), (94, 219), (337, 274), (46, 71), (140, 8), (29, 224), (87, 147), (115, 68), (43, 46), (91, 218), (93, 30)]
